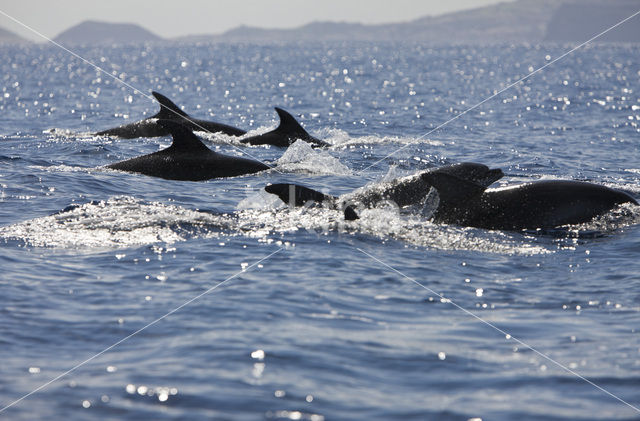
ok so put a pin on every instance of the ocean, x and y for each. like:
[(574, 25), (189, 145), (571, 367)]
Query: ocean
[(127, 297)]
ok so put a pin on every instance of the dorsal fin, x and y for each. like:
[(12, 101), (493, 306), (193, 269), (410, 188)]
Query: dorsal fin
[(183, 137), (452, 190), (296, 194), (289, 125), (168, 110), (350, 214)]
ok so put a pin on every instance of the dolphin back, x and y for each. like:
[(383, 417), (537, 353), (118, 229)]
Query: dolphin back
[(183, 138), (540, 204), (453, 190), (292, 130), (289, 125), (285, 134), (471, 171), (143, 128), (296, 194), (168, 110)]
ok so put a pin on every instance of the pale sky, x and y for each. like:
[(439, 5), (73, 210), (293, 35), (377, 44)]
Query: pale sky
[(193, 17)]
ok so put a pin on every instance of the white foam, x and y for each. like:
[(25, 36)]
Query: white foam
[(343, 141), (125, 221), (301, 157), (260, 200), (64, 168), (57, 134), (117, 222)]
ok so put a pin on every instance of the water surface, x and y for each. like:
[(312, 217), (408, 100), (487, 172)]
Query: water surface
[(322, 329)]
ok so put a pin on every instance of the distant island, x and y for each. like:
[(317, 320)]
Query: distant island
[(93, 32), (530, 21), (8, 37), (579, 21), (519, 21)]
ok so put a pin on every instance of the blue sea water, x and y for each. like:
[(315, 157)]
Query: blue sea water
[(293, 313)]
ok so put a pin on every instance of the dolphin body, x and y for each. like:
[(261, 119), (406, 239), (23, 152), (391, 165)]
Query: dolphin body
[(405, 191), (542, 204), (285, 134), (149, 127), (187, 159)]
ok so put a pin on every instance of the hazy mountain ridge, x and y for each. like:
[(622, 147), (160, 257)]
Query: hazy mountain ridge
[(580, 20), (8, 37), (93, 32), (519, 21)]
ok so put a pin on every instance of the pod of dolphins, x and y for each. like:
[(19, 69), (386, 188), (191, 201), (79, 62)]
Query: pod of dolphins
[(464, 197)]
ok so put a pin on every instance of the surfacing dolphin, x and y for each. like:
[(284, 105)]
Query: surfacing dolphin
[(168, 111), (403, 192), (285, 134), (187, 159), (541, 204)]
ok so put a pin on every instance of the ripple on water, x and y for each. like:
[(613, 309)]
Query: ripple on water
[(125, 221), (117, 222)]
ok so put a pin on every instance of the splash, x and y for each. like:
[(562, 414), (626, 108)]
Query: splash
[(301, 157), (341, 140), (124, 221), (64, 135), (117, 222), (383, 223)]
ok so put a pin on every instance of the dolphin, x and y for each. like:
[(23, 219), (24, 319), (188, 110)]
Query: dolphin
[(541, 204), (168, 111), (298, 195), (404, 191), (187, 159), (285, 134)]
